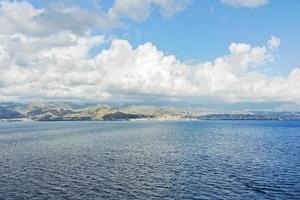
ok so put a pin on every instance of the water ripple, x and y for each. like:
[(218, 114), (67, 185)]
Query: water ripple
[(150, 160)]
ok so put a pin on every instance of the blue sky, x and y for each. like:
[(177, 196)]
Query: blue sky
[(192, 43)]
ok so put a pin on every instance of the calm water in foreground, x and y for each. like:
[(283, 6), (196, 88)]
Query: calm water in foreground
[(150, 160)]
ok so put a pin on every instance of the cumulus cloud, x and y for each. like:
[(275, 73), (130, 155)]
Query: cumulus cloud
[(245, 3), (45, 54), (60, 67)]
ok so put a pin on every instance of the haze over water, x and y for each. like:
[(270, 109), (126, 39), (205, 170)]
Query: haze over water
[(150, 160)]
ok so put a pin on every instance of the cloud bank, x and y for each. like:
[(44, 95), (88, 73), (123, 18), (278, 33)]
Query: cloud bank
[(44, 58), (60, 67)]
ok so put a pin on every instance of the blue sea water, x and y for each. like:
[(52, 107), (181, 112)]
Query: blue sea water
[(150, 160)]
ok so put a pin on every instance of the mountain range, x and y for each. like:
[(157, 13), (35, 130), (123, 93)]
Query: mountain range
[(41, 111)]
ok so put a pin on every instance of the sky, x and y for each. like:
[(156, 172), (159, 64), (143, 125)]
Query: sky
[(235, 54)]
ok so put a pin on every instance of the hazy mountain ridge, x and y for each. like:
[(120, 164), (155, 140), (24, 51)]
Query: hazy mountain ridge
[(6, 113), (39, 111)]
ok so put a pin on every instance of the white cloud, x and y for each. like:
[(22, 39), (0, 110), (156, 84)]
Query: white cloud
[(245, 3), (44, 54), (22, 17), (59, 67)]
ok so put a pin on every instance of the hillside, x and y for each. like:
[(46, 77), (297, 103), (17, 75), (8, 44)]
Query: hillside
[(72, 112), (9, 114)]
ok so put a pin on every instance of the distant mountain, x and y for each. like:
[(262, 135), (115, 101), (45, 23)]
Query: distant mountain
[(9, 114), (44, 111), (38, 111)]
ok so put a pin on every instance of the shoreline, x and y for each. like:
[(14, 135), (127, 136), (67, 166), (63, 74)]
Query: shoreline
[(141, 120)]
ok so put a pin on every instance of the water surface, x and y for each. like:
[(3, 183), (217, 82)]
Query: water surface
[(150, 160)]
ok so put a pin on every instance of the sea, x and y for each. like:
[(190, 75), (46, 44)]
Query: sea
[(150, 160)]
